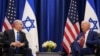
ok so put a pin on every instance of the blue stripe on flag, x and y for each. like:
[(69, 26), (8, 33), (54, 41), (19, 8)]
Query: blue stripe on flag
[(32, 4), (91, 2)]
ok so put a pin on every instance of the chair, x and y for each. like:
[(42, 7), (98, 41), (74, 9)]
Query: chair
[(1, 44), (2, 53), (5, 54), (98, 48)]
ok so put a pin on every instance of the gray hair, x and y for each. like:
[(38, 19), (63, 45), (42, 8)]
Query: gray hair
[(17, 21), (87, 22)]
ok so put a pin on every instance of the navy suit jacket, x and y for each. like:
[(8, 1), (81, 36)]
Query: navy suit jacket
[(9, 36), (92, 40)]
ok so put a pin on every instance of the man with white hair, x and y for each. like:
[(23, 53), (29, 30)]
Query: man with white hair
[(15, 40), (85, 41)]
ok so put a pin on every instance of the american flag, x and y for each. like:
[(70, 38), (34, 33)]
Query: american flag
[(10, 15), (71, 27)]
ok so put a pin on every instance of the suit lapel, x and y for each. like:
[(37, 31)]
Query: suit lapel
[(21, 36), (13, 35), (89, 34)]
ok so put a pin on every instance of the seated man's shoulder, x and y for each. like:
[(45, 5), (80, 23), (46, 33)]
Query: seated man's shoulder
[(93, 31), (22, 32), (8, 30)]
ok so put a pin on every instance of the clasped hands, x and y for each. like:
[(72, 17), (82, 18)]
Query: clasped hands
[(17, 44), (82, 39)]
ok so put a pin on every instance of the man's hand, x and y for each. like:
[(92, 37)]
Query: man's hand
[(13, 44), (81, 39), (17, 44)]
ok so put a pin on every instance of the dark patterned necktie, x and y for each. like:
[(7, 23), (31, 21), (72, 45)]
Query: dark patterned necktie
[(82, 40)]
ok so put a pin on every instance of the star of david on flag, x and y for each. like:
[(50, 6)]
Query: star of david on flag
[(28, 24), (94, 24), (90, 15)]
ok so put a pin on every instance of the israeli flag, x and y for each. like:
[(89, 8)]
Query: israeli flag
[(90, 15), (30, 26)]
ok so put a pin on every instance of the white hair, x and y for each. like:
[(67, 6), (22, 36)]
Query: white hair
[(17, 21), (87, 22)]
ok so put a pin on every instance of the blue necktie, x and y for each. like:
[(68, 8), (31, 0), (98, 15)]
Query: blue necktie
[(18, 36), (18, 39)]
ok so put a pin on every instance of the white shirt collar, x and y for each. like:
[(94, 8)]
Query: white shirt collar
[(87, 31), (86, 35), (15, 30)]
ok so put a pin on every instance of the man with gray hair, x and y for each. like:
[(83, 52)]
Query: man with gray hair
[(15, 40), (85, 41)]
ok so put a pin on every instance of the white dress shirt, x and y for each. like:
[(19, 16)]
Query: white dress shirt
[(15, 31), (86, 35)]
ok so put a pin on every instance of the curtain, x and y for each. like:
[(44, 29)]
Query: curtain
[(97, 2), (3, 7), (51, 18)]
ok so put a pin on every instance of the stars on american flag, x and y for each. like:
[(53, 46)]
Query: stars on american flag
[(10, 15), (73, 14), (11, 12), (28, 24)]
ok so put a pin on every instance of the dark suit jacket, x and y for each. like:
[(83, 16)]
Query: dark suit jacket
[(92, 40), (9, 36)]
